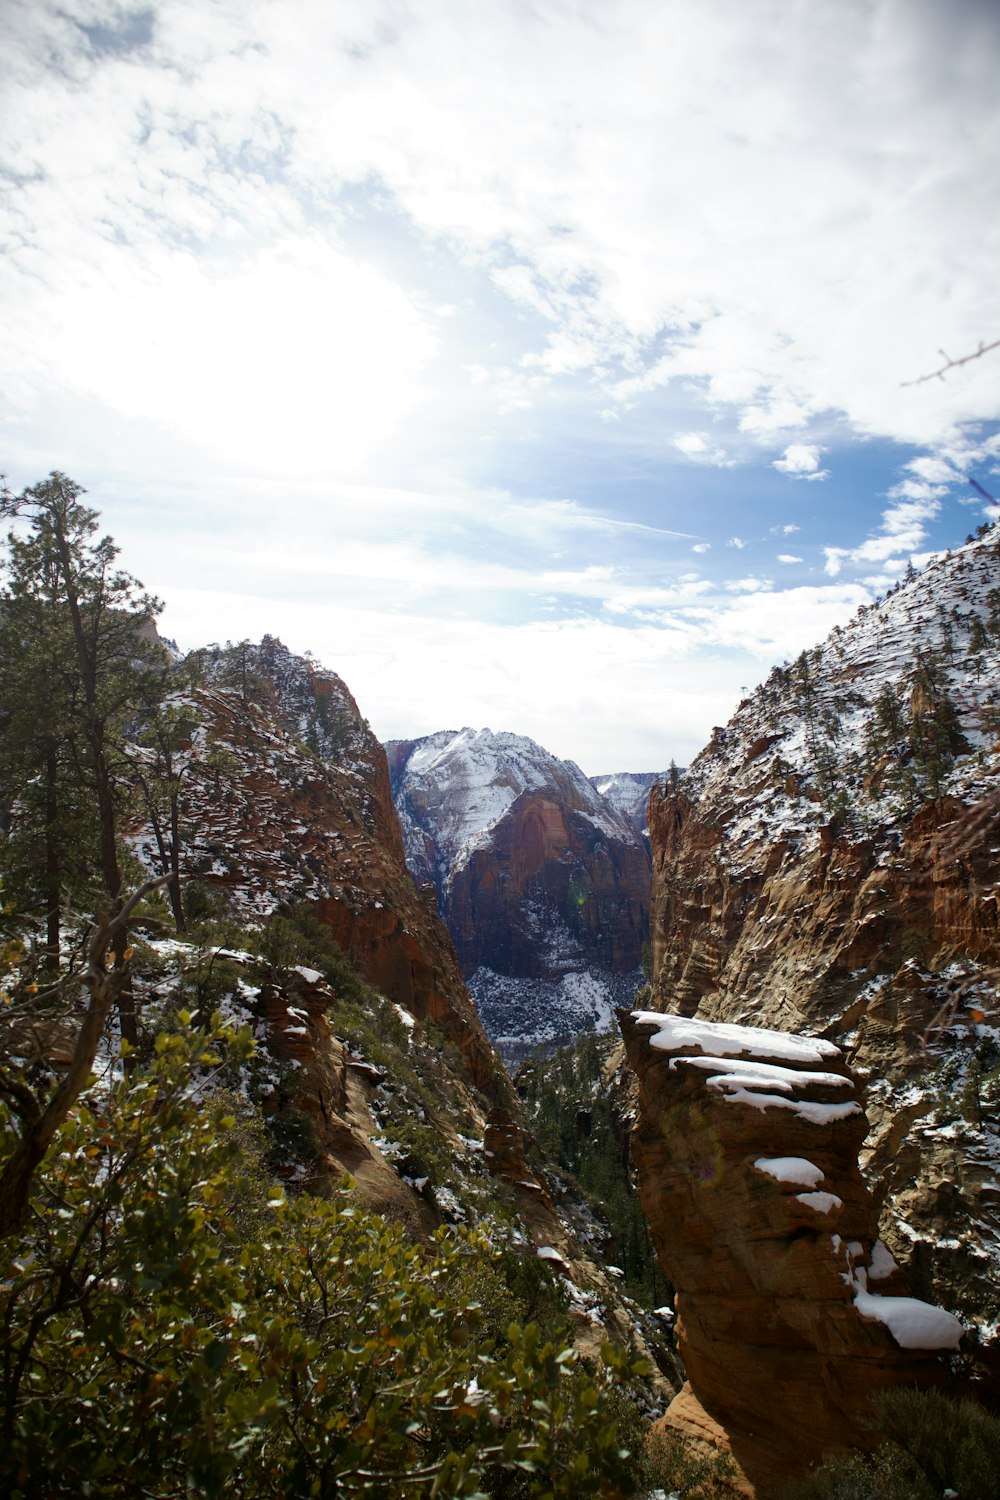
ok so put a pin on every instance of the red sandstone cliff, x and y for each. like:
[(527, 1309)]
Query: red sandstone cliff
[(544, 884), (746, 1143), (831, 863), (288, 803)]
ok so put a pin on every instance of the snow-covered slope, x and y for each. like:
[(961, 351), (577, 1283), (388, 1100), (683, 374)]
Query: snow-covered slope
[(455, 787), (543, 883), (628, 793), (900, 707), (831, 863)]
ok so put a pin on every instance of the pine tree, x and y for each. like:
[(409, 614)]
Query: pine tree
[(78, 658)]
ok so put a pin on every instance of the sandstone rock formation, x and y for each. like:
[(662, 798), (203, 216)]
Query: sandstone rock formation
[(831, 863), (282, 801), (286, 801), (542, 883), (746, 1143)]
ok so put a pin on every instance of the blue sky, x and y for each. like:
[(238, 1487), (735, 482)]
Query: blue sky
[(536, 364)]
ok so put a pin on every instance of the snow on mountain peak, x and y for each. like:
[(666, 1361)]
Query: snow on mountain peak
[(469, 779)]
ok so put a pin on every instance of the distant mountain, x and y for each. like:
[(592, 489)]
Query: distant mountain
[(542, 882), (628, 792)]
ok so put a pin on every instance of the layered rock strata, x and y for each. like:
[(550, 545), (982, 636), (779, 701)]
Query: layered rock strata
[(543, 884), (831, 863), (790, 1309)]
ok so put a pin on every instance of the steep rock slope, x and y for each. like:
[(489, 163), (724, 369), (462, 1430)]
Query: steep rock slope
[(543, 884), (282, 802), (285, 799), (830, 864), (748, 1139)]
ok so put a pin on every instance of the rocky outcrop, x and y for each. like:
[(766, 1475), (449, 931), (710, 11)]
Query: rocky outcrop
[(284, 802), (790, 1310), (830, 863), (542, 883)]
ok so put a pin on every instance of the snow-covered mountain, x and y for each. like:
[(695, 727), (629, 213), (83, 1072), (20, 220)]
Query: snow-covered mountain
[(542, 882), (628, 793), (830, 863)]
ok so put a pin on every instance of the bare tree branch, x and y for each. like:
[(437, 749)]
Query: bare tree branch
[(953, 364)]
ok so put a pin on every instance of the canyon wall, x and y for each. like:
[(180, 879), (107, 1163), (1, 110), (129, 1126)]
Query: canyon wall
[(830, 866), (791, 1312)]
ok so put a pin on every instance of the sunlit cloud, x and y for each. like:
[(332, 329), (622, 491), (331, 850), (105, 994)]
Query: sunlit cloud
[(801, 461), (903, 531)]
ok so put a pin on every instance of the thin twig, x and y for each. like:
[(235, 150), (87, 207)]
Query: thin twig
[(953, 364)]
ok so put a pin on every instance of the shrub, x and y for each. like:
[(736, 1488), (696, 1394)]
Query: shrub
[(170, 1324), (932, 1444)]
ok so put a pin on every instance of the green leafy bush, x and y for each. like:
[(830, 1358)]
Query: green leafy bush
[(931, 1445), (171, 1325)]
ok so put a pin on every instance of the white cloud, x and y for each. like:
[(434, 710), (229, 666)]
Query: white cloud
[(749, 585), (531, 140), (396, 242), (775, 624), (904, 529), (737, 542), (789, 557), (801, 461), (699, 446)]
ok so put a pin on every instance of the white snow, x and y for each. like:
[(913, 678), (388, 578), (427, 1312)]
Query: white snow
[(456, 788), (816, 1114), (882, 1264), (823, 1203), (794, 1169), (725, 1039), (311, 976), (913, 1324), (740, 1073)]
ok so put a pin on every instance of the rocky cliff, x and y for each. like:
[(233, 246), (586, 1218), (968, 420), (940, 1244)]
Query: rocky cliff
[(263, 775), (790, 1310), (829, 865), (628, 793), (286, 800), (543, 883)]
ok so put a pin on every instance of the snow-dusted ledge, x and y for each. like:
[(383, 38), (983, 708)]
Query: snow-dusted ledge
[(724, 1039)]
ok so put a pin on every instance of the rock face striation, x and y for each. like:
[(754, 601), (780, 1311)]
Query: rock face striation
[(830, 864), (746, 1144), (284, 801), (543, 883)]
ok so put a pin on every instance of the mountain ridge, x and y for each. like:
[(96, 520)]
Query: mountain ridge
[(542, 882)]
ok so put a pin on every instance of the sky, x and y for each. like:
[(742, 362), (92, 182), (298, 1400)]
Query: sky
[(547, 365)]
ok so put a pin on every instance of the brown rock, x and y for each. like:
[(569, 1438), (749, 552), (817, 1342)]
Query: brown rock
[(746, 1144)]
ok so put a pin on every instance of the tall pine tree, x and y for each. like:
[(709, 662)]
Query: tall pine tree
[(79, 661)]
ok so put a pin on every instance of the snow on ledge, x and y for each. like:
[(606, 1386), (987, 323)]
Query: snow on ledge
[(883, 1263), (740, 1072), (816, 1114), (794, 1169), (726, 1039), (823, 1203), (913, 1324)]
